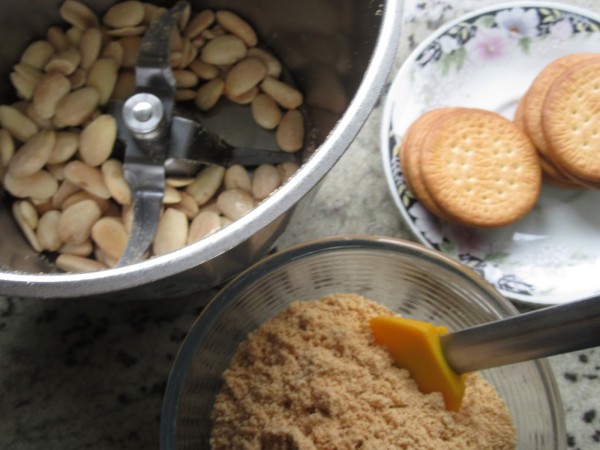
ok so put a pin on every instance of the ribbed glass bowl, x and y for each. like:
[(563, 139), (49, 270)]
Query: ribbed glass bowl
[(405, 277)]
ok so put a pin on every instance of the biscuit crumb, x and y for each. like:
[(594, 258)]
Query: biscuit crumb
[(314, 378)]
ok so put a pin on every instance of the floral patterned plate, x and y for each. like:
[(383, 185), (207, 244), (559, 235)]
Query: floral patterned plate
[(488, 59)]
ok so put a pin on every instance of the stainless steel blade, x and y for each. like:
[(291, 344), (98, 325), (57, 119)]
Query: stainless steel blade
[(144, 125), (193, 147)]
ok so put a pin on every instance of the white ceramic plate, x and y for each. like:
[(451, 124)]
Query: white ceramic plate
[(488, 59)]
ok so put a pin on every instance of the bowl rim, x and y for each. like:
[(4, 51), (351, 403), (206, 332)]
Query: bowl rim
[(213, 310)]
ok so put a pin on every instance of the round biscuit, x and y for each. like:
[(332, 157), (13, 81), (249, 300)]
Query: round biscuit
[(536, 94), (480, 168), (571, 121), (410, 159)]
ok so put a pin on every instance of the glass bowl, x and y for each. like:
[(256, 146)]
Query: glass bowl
[(407, 278)]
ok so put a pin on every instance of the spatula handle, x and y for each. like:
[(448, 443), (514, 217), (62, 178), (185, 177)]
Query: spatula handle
[(537, 334)]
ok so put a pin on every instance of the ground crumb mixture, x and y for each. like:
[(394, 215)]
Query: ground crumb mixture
[(313, 378)]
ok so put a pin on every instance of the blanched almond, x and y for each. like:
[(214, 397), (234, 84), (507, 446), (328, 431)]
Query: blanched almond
[(26, 212), (171, 195), (112, 171), (57, 37), (78, 14), (74, 35), (84, 249), (90, 46), (33, 155), (185, 78), (185, 95), (274, 67), (103, 76), (246, 98), (245, 75), (172, 232), (224, 50), (178, 182), (237, 177), (287, 170), (76, 221), (77, 107), (238, 26), (66, 145), (284, 94), (290, 133), (39, 185), (266, 179), (17, 124), (124, 14), (87, 178), (23, 86), (266, 112), (204, 70), (209, 94), (98, 139), (187, 205), (7, 148), (114, 50), (185, 16), (47, 231), (206, 184), (111, 236), (37, 54), (26, 228), (51, 88), (204, 224), (234, 203), (77, 264), (199, 23)]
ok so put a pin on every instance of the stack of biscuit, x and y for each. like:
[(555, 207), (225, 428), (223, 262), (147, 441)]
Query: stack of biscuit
[(471, 166), (560, 114), (475, 168)]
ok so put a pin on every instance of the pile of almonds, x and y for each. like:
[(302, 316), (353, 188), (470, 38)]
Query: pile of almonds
[(56, 143)]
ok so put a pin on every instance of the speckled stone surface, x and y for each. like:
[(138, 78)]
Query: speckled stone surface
[(77, 374)]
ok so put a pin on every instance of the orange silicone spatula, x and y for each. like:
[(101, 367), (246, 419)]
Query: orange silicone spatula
[(437, 359)]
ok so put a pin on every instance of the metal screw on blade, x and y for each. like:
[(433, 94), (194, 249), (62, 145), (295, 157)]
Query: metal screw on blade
[(144, 115)]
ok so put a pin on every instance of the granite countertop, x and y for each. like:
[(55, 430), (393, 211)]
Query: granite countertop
[(91, 374)]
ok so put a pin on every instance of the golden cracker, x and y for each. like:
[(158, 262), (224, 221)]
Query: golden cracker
[(536, 94), (410, 159), (571, 121), (480, 168)]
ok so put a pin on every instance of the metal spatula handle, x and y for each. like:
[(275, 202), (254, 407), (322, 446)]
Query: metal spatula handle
[(549, 331)]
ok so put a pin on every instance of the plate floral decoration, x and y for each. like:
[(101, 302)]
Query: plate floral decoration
[(495, 34)]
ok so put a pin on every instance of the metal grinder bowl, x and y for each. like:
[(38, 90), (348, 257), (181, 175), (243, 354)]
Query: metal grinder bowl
[(351, 42)]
